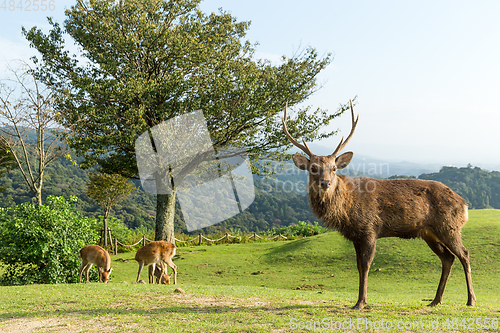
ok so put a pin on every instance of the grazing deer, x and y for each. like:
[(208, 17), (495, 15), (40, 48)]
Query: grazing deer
[(153, 253), (364, 210), (165, 279), (95, 255)]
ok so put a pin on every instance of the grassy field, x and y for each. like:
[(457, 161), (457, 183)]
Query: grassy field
[(303, 285)]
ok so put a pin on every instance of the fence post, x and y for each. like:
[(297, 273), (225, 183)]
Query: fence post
[(110, 239), (199, 243), (227, 238), (143, 240), (100, 237), (116, 246), (254, 236)]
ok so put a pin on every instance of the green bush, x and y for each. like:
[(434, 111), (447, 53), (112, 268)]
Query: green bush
[(118, 229), (41, 244), (302, 229)]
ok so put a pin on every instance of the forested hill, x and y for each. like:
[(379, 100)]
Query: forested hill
[(480, 188), (278, 202)]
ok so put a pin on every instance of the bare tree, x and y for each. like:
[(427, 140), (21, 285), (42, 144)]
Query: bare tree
[(28, 127)]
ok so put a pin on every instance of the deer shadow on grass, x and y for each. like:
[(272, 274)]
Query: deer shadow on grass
[(126, 309)]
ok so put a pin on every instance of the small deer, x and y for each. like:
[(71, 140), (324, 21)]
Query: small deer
[(153, 253), (95, 255), (365, 209), (165, 279)]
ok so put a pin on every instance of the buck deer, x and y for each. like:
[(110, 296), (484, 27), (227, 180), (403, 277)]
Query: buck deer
[(153, 253), (364, 210), (95, 255), (165, 279)]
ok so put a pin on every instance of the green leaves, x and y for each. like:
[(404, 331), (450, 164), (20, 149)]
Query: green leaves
[(41, 244), (149, 61), (108, 190)]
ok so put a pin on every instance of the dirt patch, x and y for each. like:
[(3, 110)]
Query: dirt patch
[(59, 324), (44, 325)]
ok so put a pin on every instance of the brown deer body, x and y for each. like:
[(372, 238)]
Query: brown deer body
[(153, 253), (95, 255), (364, 210)]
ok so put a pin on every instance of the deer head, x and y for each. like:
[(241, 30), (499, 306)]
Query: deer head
[(322, 169)]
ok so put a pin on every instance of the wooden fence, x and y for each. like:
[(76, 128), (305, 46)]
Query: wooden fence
[(198, 240)]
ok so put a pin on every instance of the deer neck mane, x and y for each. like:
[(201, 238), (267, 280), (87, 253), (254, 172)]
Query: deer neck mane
[(333, 206), (107, 259)]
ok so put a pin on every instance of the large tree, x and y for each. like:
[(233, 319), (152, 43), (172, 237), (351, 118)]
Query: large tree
[(141, 63)]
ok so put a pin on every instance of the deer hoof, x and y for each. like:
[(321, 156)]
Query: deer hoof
[(471, 300)]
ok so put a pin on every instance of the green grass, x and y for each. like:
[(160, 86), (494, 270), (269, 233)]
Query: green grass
[(275, 286)]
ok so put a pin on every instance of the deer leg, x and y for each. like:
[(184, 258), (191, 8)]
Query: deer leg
[(163, 269), (141, 266), (152, 273), (87, 269), (365, 251), (171, 264), (447, 259), (462, 254), (82, 267)]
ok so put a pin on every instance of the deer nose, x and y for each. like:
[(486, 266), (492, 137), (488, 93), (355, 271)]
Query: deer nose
[(325, 184)]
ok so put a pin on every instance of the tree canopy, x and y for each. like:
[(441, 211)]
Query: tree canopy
[(108, 190), (141, 63)]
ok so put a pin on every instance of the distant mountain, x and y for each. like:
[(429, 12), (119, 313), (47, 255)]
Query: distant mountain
[(480, 188), (362, 165), (276, 203), (279, 200)]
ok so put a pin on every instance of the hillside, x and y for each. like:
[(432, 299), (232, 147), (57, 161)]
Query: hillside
[(275, 204), (310, 262), (480, 188), (271, 286), (279, 201)]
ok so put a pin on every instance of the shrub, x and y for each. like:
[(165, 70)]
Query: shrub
[(41, 244), (302, 229), (118, 229)]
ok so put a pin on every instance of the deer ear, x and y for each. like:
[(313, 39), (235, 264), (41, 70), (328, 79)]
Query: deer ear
[(300, 161), (343, 160)]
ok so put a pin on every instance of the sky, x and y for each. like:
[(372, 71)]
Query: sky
[(426, 73)]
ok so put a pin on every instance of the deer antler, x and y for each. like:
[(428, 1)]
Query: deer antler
[(303, 147), (343, 143)]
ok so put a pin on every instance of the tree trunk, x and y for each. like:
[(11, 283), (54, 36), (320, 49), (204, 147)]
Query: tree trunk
[(165, 213), (105, 222), (38, 195)]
